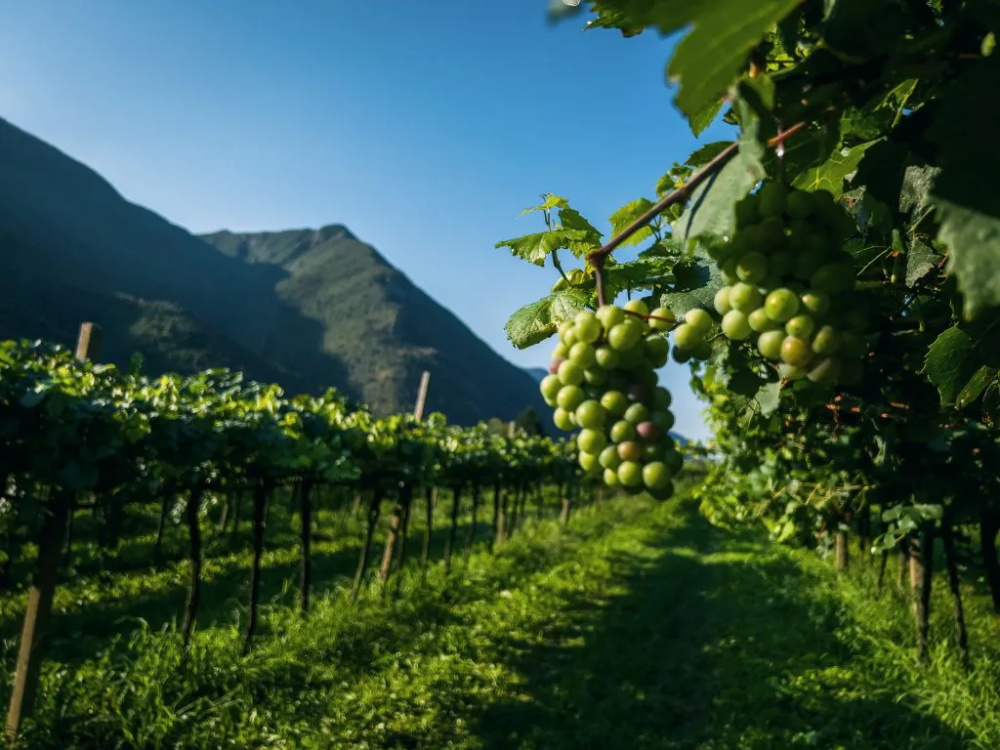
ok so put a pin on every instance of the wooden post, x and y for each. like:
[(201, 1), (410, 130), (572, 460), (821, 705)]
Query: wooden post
[(43, 583), (425, 381)]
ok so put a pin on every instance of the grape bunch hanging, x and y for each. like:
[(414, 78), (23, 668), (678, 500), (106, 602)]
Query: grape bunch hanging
[(789, 288), (603, 381)]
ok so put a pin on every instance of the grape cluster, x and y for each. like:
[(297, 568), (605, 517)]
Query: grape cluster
[(789, 287), (603, 381)]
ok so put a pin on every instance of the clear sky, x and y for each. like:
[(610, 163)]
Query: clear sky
[(423, 127)]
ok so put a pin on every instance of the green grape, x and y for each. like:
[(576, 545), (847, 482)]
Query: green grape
[(591, 415), (591, 441), (760, 321), (609, 458), (661, 319), (825, 371), (796, 352), (801, 327), (656, 349), (752, 267), (769, 344), (622, 431), (674, 461), (550, 386), (681, 356), (721, 301), (687, 337), (833, 278), (582, 354), (652, 452), (561, 417), (856, 320), (629, 451), (614, 402), (664, 419), (636, 413), (772, 236), (630, 474), (662, 398), (595, 376), (656, 475), (632, 359), (772, 200), (799, 205), (607, 357), (570, 373), (610, 477), (702, 352), (791, 372), (610, 316), (744, 297), (624, 336), (636, 306), (570, 397), (747, 211), (698, 319), (561, 351), (588, 328), (736, 326), (781, 305), (807, 262), (815, 301), (566, 334), (826, 341), (781, 264), (587, 461), (728, 272)]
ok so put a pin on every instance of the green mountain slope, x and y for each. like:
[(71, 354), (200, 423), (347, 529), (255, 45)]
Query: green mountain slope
[(307, 309)]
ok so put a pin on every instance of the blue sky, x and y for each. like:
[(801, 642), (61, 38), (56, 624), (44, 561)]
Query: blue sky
[(424, 127)]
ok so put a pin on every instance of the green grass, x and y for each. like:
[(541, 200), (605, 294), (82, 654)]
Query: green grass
[(639, 627)]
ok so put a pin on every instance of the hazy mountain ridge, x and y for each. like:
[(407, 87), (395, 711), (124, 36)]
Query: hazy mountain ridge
[(305, 308)]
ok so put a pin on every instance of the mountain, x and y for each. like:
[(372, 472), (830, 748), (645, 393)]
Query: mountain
[(537, 373), (306, 308)]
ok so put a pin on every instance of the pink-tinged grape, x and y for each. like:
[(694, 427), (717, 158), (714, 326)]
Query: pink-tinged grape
[(728, 272), (591, 414), (636, 413), (570, 372), (772, 199), (570, 397), (801, 327), (611, 478), (609, 457), (607, 357), (662, 398), (630, 474), (562, 420), (781, 264), (647, 432), (852, 345), (833, 278), (815, 301), (698, 319), (769, 344), (622, 432), (661, 319), (791, 372), (664, 419), (614, 402), (752, 267), (760, 321), (744, 297), (825, 371), (624, 336), (687, 337), (629, 451), (721, 301), (656, 349), (591, 441), (735, 325), (781, 305), (587, 461), (656, 475), (588, 328), (582, 354), (554, 366), (826, 341), (796, 352), (807, 262), (610, 316), (799, 205), (636, 306), (595, 376)]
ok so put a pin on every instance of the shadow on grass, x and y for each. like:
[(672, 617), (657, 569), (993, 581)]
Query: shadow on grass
[(709, 649)]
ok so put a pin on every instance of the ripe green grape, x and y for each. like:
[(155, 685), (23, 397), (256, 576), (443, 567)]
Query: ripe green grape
[(687, 337), (582, 354), (656, 349), (698, 319), (636, 306), (752, 267), (721, 301), (550, 387), (561, 351), (629, 450), (630, 474), (610, 316), (799, 204), (566, 334), (801, 327), (588, 328), (744, 297), (622, 431), (561, 418), (636, 413), (796, 351), (607, 357), (661, 319), (614, 402), (825, 371), (826, 341), (769, 344), (591, 415), (781, 305), (791, 372), (611, 478), (591, 441), (570, 373), (655, 475), (772, 200), (815, 301), (570, 397), (609, 457), (760, 321), (624, 336), (736, 326)]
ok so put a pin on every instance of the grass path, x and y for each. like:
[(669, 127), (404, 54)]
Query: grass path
[(642, 627)]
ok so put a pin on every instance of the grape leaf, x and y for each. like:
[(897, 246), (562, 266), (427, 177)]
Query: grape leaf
[(701, 120), (698, 281), (535, 248), (706, 153), (947, 363), (536, 322), (629, 213), (552, 201), (641, 273), (710, 57), (831, 174), (965, 192), (768, 398), (920, 259), (976, 385), (571, 220)]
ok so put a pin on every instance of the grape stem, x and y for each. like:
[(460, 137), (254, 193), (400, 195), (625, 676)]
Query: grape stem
[(681, 194)]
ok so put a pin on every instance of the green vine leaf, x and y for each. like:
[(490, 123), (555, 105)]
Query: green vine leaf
[(535, 248), (536, 322), (831, 174), (768, 398), (920, 259), (553, 201), (976, 385), (629, 213)]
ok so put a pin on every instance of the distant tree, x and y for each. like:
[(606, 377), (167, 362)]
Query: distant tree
[(530, 422)]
